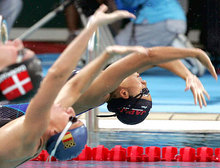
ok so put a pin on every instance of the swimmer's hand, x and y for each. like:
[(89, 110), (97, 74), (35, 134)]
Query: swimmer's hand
[(117, 49), (18, 45), (101, 18), (204, 59), (198, 91)]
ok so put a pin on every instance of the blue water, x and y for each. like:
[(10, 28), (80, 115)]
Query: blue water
[(126, 138), (108, 164)]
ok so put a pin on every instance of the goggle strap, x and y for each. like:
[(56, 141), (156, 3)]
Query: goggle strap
[(113, 115), (68, 125)]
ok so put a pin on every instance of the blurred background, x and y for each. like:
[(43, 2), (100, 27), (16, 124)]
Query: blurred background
[(202, 22), (200, 27)]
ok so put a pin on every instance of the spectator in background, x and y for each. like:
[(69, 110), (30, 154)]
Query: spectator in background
[(10, 10), (72, 21), (72, 15), (157, 23), (88, 7)]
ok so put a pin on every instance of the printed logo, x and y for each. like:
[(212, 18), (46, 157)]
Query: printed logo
[(132, 111), (144, 107), (68, 140)]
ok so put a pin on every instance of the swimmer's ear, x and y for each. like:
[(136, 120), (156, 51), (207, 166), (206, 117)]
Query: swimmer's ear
[(70, 111), (53, 132), (124, 93)]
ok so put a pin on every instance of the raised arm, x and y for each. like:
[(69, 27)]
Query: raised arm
[(85, 77), (192, 82), (109, 80), (156, 55), (39, 108), (78, 84), (164, 54)]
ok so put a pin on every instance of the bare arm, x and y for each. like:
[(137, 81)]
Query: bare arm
[(165, 54), (78, 84), (138, 61), (192, 82), (39, 108), (85, 77), (176, 67)]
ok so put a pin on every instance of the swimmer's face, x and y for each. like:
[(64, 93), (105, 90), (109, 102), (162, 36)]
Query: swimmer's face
[(134, 85), (60, 117)]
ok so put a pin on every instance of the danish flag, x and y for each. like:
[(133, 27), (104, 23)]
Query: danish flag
[(15, 83)]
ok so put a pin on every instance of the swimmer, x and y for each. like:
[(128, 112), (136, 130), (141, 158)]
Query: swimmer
[(126, 94), (23, 138)]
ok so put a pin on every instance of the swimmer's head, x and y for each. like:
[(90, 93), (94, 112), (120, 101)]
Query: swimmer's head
[(69, 137), (131, 101)]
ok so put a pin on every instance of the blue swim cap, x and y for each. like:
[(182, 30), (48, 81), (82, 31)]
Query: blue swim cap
[(67, 144)]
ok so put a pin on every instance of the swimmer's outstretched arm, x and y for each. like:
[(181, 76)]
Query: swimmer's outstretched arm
[(40, 105), (164, 54), (68, 95), (111, 77), (78, 84), (192, 82), (154, 56)]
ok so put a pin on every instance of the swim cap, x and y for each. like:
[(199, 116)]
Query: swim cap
[(132, 110), (73, 142), (21, 79)]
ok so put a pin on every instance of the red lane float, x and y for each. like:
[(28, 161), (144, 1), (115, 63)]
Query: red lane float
[(141, 154)]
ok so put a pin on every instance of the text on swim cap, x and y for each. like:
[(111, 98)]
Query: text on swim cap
[(12, 72), (132, 111)]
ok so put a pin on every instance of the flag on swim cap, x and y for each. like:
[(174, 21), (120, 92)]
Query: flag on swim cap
[(71, 145)]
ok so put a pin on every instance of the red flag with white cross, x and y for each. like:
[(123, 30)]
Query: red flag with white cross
[(15, 83)]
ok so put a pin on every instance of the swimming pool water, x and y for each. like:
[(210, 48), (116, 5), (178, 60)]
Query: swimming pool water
[(108, 164), (160, 139)]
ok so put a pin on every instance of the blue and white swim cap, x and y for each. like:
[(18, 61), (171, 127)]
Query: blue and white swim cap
[(69, 143)]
